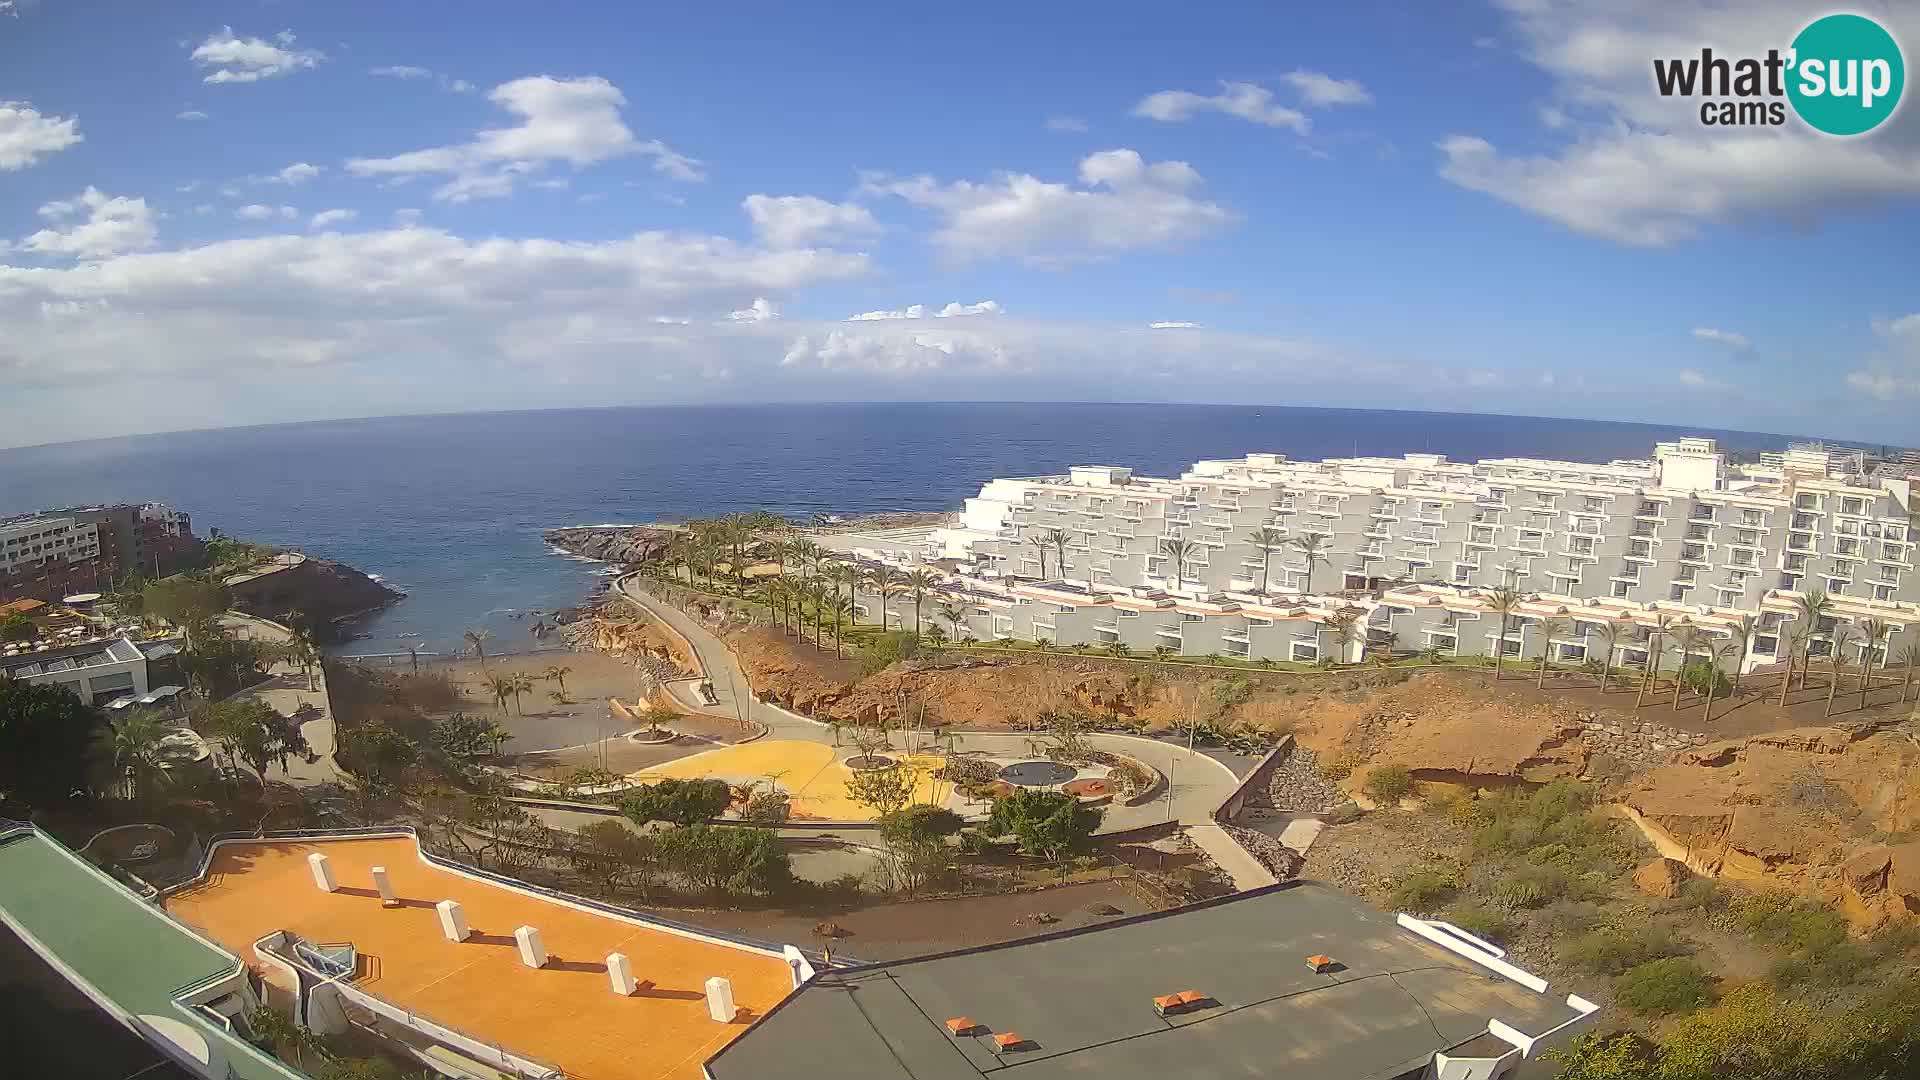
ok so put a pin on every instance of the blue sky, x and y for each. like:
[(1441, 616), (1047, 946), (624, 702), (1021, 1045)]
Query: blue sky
[(242, 213)]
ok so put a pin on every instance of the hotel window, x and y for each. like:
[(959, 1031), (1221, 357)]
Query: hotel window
[(1796, 563), (1595, 503), (1883, 592), (1678, 592), (1620, 589), (1889, 573), (1749, 516), (1790, 582), (1837, 586), (1640, 549), (1851, 505), (1806, 502), (1845, 546)]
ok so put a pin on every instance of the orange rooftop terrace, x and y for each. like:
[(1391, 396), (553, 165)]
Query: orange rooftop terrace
[(566, 1014)]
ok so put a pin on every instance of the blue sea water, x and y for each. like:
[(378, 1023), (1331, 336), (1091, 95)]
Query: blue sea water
[(451, 508)]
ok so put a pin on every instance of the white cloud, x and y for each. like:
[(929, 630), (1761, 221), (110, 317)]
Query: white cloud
[(26, 136), (325, 218), (953, 310), (1173, 326), (761, 310), (203, 210), (794, 221), (1693, 378), (1644, 171), (259, 212), (190, 114), (912, 311), (1244, 100), (956, 309), (244, 60), (113, 224), (1321, 90), (401, 71), (1122, 204), (406, 217), (298, 173), (1066, 124), (575, 121), (1893, 369), (1735, 341)]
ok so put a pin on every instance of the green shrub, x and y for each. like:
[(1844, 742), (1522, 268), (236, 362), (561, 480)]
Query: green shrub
[(887, 648), (1532, 886), (1663, 987), (1425, 889), (681, 802), (1388, 784), (1785, 921), (1701, 894), (1047, 823), (1608, 952), (1482, 921), (1700, 675)]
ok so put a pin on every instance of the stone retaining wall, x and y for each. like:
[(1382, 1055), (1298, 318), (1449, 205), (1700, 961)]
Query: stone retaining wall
[(1638, 744)]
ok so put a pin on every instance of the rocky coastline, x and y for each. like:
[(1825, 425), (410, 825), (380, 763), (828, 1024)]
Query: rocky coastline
[(623, 544)]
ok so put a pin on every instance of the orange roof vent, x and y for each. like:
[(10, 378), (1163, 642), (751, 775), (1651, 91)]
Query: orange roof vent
[(1320, 963), (1008, 1041), (1170, 1004), (966, 1025)]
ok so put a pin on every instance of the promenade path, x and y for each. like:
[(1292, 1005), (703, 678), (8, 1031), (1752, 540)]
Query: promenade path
[(286, 690), (1197, 783)]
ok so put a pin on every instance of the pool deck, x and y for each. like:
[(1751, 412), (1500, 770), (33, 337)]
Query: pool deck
[(563, 1014)]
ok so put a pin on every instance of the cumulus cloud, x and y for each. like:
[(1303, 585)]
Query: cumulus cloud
[(953, 310), (410, 72), (112, 224), (1066, 124), (1122, 203), (1244, 100), (298, 173), (1321, 90), (1893, 369), (260, 212), (794, 221), (235, 59), (325, 218), (1173, 326), (571, 121), (26, 135), (761, 310), (190, 114), (1642, 170), (1735, 341)]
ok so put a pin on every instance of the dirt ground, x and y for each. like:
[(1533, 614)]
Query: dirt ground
[(891, 931), (546, 724)]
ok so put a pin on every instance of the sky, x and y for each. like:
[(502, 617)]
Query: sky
[(216, 214)]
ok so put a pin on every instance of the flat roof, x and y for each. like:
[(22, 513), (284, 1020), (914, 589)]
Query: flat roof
[(113, 942), (50, 1028), (1083, 1000), (563, 1015), (95, 653)]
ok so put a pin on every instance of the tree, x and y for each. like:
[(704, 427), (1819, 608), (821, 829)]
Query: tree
[(463, 736), (501, 687), (1813, 606), (1717, 652), (1609, 636), (377, 755), (1179, 550), (1549, 629), (680, 802), (17, 627), (522, 684), (557, 674), (1745, 629), (185, 601), (254, 732), (1873, 640), (1046, 823), (1266, 540), (1837, 654), (49, 743), (886, 790), (956, 617), (615, 857), (740, 860), (1687, 636), (1058, 539), (1502, 602), (1039, 542), (1909, 655), (887, 649), (135, 741), (304, 654), (1798, 641), (1316, 547), (477, 644), (915, 839), (919, 580)]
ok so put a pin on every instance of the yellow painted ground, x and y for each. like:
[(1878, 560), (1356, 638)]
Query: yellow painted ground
[(809, 772)]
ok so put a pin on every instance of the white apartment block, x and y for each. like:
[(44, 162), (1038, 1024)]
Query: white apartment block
[(28, 543), (1410, 548)]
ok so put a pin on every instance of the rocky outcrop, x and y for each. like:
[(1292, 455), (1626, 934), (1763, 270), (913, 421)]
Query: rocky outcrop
[(1882, 882), (1662, 878), (625, 544), (329, 595)]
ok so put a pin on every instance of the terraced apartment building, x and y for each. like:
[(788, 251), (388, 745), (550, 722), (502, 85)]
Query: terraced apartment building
[(1264, 557)]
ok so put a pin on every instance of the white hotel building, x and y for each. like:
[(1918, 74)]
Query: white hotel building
[(1414, 544)]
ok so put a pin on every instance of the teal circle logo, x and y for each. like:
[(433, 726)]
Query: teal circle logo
[(1846, 74)]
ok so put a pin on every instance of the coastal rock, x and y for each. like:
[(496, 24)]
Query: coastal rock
[(625, 544), (328, 594), (1662, 878)]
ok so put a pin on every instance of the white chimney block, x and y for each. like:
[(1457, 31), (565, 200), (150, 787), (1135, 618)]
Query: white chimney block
[(720, 1000), (322, 872), (620, 974), (533, 952), (383, 885), (453, 920)]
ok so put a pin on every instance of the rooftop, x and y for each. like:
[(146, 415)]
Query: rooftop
[(563, 1014), (1082, 1002), (69, 658)]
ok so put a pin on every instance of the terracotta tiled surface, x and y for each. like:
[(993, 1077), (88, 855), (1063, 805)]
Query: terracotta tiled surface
[(564, 1014)]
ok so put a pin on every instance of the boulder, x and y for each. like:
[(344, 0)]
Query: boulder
[(1662, 878)]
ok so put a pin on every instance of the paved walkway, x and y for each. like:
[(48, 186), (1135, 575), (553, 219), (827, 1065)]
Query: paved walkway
[(1197, 783), (286, 690)]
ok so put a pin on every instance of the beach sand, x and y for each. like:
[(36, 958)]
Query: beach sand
[(546, 724)]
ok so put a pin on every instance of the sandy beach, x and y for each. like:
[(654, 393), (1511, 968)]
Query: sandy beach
[(538, 721)]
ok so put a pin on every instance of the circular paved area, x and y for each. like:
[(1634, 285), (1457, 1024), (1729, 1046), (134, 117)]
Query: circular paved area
[(1038, 773)]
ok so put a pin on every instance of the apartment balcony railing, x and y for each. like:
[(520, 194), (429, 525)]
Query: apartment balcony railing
[(1168, 632), (1234, 635)]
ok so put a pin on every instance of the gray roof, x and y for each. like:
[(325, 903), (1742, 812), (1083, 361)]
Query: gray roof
[(71, 658), (1084, 1001)]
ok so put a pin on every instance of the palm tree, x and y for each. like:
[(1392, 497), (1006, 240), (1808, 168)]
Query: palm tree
[(1841, 632), (842, 608), (1549, 629), (502, 688), (1502, 602), (1039, 542), (1873, 634), (1798, 639), (1609, 635), (1116, 647), (1315, 546), (1715, 654), (1744, 631), (1688, 637), (1267, 540), (1814, 605), (1058, 539), (1179, 550), (1655, 647), (522, 684), (135, 743), (955, 615), (413, 656), (558, 674), (1341, 624), (1908, 656), (881, 581), (477, 644)]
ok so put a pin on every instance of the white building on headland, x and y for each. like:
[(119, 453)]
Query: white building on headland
[(1410, 548)]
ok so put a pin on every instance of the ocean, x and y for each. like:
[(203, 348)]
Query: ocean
[(451, 508)]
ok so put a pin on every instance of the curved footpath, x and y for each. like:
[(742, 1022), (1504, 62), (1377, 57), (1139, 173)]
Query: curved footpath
[(286, 690), (1197, 783)]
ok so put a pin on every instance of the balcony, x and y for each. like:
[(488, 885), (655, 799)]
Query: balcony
[(1234, 635), (1168, 632), (1377, 534)]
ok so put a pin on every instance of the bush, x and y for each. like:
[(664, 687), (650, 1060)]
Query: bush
[(726, 858), (1482, 922), (681, 802), (1388, 784), (1700, 675), (1701, 894), (1533, 886), (886, 649), (1663, 987), (1046, 823), (1785, 921), (1425, 889), (1557, 816), (1606, 952)]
